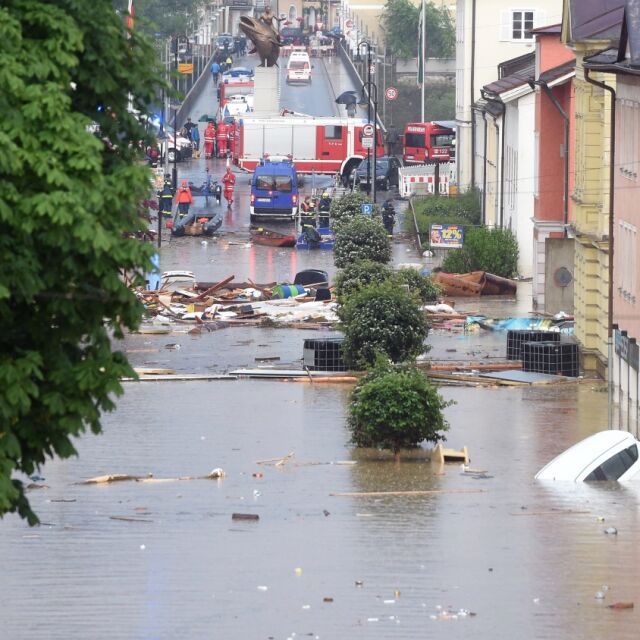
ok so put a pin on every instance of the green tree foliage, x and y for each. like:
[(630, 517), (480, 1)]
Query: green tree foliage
[(396, 409), (360, 274), (382, 319), (401, 19), (357, 275), (361, 238), (163, 17), (493, 250), (422, 286), (347, 206), (68, 206)]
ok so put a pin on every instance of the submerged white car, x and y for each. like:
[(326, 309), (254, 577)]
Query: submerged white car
[(606, 455)]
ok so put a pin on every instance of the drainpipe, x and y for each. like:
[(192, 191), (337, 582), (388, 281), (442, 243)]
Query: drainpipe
[(484, 172), (502, 145), (473, 87), (612, 152), (565, 117)]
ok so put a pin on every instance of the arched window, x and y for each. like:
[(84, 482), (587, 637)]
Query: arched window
[(293, 13)]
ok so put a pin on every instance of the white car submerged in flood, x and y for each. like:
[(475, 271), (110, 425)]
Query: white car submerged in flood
[(606, 455)]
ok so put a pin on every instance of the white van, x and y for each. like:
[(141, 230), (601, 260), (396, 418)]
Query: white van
[(299, 67)]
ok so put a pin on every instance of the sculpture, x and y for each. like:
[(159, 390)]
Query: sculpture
[(265, 38)]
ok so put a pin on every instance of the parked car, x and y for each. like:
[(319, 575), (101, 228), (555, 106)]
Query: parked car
[(225, 43), (237, 72), (386, 173), (236, 106), (170, 144)]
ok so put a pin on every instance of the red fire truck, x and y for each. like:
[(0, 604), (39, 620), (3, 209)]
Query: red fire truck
[(239, 87), (315, 145), (426, 142)]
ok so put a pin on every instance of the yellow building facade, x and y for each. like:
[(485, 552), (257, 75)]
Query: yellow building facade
[(591, 214)]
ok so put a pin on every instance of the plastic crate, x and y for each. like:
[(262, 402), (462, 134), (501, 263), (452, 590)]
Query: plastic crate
[(323, 355), (517, 337), (556, 358)]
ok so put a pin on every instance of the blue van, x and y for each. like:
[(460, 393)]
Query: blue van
[(274, 190)]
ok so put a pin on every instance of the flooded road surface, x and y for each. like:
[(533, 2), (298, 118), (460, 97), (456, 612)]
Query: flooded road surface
[(518, 554)]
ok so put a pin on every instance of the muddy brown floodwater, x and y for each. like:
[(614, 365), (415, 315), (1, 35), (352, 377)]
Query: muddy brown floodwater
[(518, 554)]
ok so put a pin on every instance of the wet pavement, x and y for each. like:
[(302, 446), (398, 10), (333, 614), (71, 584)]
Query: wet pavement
[(526, 558)]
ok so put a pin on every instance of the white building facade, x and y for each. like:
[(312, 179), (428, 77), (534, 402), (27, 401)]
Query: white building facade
[(487, 33)]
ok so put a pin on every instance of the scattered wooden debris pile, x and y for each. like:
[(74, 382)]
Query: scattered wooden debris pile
[(181, 298), (475, 283)]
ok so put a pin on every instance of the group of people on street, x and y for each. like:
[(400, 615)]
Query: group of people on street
[(184, 196), (219, 141), (312, 208)]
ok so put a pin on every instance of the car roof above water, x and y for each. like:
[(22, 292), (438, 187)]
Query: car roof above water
[(578, 461)]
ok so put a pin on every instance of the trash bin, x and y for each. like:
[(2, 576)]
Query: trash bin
[(323, 355)]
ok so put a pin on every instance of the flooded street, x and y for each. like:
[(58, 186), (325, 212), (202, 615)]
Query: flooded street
[(512, 551), (488, 555)]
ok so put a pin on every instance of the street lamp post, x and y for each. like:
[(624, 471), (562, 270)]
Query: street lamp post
[(174, 172), (372, 96)]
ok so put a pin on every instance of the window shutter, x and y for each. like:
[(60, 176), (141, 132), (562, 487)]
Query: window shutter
[(506, 25)]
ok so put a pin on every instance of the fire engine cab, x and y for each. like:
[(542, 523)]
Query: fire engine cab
[(426, 142), (315, 145)]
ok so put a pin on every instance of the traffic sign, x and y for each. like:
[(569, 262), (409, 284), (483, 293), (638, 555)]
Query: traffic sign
[(372, 69), (367, 130), (391, 93), (367, 142), (366, 209)]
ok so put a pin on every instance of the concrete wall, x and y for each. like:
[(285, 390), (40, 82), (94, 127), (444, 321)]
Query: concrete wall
[(558, 256)]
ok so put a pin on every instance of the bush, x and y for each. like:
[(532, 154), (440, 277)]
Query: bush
[(346, 207), (462, 209), (361, 238), (357, 275), (381, 319), (423, 286), (396, 409), (492, 250)]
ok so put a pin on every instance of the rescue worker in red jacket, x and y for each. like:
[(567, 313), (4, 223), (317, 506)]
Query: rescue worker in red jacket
[(184, 198), (231, 136), (221, 136), (229, 182), (209, 140)]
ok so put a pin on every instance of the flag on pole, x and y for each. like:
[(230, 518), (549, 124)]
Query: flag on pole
[(421, 25), (131, 11)]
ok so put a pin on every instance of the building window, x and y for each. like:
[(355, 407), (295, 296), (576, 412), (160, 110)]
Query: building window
[(626, 253), (521, 25), (516, 24)]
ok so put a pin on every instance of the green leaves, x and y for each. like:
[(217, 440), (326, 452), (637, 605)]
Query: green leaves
[(401, 19), (492, 250), (68, 201), (382, 318), (361, 238), (396, 409)]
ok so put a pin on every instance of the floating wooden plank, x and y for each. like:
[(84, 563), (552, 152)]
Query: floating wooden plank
[(245, 516), (215, 287), (382, 494), (553, 512), (144, 371)]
